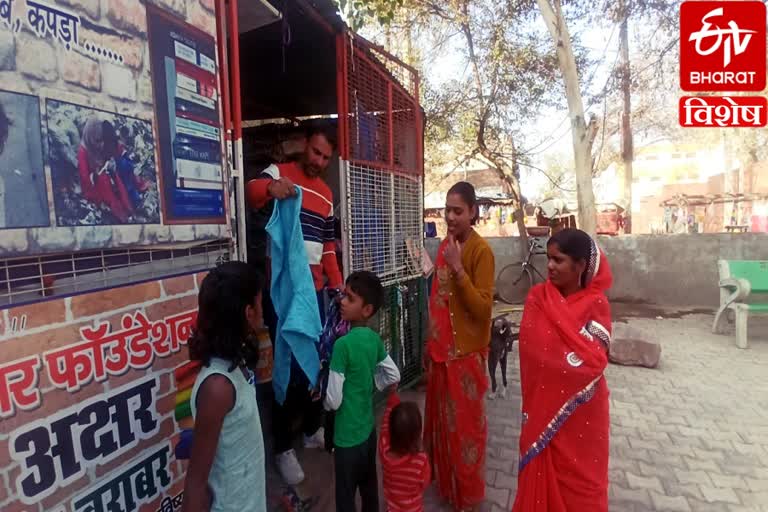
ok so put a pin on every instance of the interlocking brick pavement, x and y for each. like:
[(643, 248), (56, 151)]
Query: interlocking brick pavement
[(691, 435)]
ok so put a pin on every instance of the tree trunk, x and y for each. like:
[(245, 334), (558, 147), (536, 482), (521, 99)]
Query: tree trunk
[(582, 150), (508, 174), (627, 150)]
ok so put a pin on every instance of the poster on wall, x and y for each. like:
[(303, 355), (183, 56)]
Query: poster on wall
[(183, 61), (79, 163), (102, 167), (23, 197), (92, 399)]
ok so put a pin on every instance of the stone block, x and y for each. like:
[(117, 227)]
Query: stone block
[(634, 352), (127, 15), (36, 58), (670, 503), (14, 242), (177, 6), (89, 7), (7, 51), (131, 49), (80, 70), (93, 237), (55, 239), (118, 81)]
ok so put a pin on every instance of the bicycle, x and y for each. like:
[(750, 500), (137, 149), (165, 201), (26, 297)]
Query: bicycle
[(515, 279)]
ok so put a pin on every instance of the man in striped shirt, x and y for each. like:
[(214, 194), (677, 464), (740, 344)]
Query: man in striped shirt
[(279, 181)]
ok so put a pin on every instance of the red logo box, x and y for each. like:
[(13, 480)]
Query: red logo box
[(722, 46), (723, 111)]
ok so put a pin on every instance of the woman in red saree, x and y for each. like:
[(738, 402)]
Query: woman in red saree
[(564, 338), (460, 310)]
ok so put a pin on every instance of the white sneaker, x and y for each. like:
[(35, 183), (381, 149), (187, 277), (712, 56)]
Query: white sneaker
[(316, 440), (289, 468), (503, 393), (492, 395)]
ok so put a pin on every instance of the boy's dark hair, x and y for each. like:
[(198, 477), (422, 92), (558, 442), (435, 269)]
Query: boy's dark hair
[(405, 428), (222, 329), (368, 286), (5, 126)]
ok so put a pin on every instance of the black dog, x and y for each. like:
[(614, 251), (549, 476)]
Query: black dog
[(503, 335)]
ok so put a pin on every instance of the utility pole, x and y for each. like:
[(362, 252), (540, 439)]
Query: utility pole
[(627, 146)]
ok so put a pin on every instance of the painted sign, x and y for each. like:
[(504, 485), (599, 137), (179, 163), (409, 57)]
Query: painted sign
[(188, 119), (90, 388), (79, 163)]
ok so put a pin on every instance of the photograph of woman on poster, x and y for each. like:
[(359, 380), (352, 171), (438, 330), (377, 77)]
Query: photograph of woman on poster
[(103, 167), (23, 200)]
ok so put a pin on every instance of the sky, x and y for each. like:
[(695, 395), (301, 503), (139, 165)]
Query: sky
[(550, 131)]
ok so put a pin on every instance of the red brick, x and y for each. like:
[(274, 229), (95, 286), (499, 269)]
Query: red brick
[(152, 506), (115, 298), (53, 401), (3, 488), (4, 456), (65, 494), (128, 377), (17, 506), (23, 346), (172, 361), (166, 404), (171, 307), (179, 285), (37, 315), (167, 428), (199, 278), (166, 384)]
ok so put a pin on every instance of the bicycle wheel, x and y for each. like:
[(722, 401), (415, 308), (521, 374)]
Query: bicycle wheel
[(513, 283)]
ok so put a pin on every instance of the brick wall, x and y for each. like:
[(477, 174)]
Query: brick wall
[(43, 67), (56, 324)]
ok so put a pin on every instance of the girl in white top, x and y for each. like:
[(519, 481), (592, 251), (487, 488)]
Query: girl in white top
[(226, 470)]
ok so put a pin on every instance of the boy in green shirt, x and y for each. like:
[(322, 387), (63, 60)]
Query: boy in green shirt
[(358, 362)]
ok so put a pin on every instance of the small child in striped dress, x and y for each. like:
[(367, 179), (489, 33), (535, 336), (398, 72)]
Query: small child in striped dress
[(404, 464)]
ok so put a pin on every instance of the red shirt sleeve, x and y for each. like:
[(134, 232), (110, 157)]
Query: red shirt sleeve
[(257, 193), (331, 265)]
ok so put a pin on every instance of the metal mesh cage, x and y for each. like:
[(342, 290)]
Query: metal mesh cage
[(383, 190), (379, 109), (401, 324), (384, 224)]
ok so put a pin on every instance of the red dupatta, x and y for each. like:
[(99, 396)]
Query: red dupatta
[(563, 353)]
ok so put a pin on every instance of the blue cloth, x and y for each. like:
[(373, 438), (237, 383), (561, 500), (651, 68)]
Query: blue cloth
[(294, 297)]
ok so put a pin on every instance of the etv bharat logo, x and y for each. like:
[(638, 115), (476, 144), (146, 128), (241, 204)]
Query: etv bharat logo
[(732, 37), (722, 46)]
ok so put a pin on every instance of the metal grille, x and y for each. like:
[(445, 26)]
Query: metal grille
[(24, 280), (379, 115), (401, 323), (384, 224)]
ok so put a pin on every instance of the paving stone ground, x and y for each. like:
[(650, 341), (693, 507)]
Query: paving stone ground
[(691, 435)]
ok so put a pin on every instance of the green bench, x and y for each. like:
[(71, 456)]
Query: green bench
[(743, 290)]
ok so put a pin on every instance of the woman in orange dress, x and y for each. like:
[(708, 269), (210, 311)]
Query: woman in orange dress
[(564, 338), (460, 311)]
